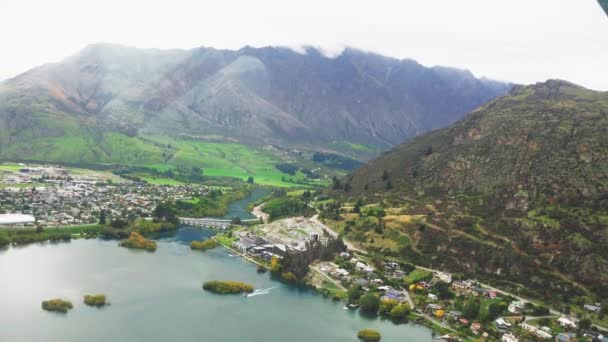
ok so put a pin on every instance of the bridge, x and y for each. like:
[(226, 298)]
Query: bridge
[(210, 222)]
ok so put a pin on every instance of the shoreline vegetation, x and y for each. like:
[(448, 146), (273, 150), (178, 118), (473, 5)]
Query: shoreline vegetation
[(57, 305), (118, 230), (227, 287), (203, 245), (137, 241), (97, 300)]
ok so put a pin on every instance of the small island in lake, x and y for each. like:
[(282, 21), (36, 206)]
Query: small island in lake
[(203, 245), (57, 305), (227, 287), (369, 335), (137, 241), (98, 300)]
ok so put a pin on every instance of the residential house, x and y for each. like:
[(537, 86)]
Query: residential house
[(509, 337), (393, 294), (502, 324), (516, 306), (454, 314), (593, 335), (566, 337), (433, 297), (567, 322), (592, 308), (478, 291), (444, 277), (476, 328)]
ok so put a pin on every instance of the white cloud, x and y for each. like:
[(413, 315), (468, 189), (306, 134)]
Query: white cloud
[(519, 40)]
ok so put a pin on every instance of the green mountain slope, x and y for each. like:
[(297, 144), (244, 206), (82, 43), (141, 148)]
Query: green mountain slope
[(517, 190)]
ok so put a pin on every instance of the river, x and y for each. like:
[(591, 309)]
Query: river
[(240, 208), (158, 297)]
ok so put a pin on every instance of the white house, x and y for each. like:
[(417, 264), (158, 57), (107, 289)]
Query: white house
[(509, 337), (516, 306), (433, 297), (566, 322), (444, 277)]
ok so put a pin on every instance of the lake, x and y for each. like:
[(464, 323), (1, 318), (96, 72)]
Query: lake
[(158, 297)]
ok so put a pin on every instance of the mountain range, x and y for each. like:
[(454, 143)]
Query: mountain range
[(518, 189), (117, 104)]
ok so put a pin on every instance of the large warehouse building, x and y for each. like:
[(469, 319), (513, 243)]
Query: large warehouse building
[(16, 220)]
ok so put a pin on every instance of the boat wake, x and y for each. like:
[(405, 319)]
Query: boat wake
[(259, 292)]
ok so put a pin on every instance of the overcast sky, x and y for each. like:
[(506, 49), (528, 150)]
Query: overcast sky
[(523, 41)]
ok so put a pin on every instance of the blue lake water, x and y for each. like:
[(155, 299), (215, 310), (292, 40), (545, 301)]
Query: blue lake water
[(158, 297)]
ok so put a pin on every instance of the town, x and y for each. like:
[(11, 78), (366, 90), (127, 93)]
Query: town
[(55, 196)]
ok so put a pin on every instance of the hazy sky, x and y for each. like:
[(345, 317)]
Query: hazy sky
[(523, 41)]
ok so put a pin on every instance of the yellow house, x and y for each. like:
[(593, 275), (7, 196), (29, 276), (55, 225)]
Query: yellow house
[(439, 313)]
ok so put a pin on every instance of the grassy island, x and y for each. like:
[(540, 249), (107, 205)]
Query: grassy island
[(95, 300), (57, 305), (203, 245), (137, 241), (227, 287), (369, 335)]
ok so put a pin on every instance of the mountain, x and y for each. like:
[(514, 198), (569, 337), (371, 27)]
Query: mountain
[(518, 189), (604, 5), (116, 104)]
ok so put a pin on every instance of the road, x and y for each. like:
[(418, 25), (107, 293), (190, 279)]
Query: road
[(331, 232), (257, 212)]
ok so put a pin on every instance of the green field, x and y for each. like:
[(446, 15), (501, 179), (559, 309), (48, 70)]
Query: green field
[(217, 159)]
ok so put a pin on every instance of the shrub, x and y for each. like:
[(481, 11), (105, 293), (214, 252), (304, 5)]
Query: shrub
[(399, 313), (95, 300), (369, 335), (227, 287), (137, 241), (57, 305), (203, 245), (386, 305)]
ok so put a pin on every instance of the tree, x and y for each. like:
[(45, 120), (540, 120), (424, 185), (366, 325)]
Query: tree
[(275, 265), (471, 309), (584, 324), (250, 180), (165, 212), (354, 293), (385, 175), (236, 220), (604, 309), (369, 303), (102, 217), (399, 313), (386, 305)]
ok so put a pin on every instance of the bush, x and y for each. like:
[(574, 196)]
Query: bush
[(203, 245), (386, 305), (95, 300), (137, 241), (399, 313), (227, 287), (57, 305), (369, 335)]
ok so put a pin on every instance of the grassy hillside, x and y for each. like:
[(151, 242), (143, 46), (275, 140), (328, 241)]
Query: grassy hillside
[(516, 192), (216, 159)]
